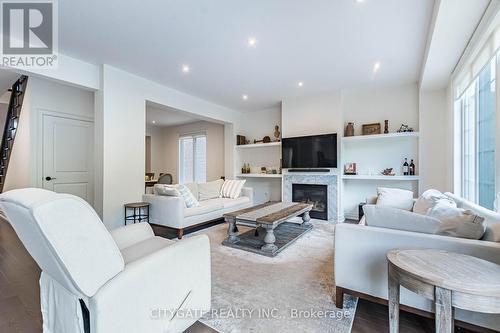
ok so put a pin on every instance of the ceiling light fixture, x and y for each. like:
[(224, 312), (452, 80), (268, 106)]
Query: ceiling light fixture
[(360, 1), (186, 68), (252, 41), (300, 84), (245, 97), (376, 67), (154, 121)]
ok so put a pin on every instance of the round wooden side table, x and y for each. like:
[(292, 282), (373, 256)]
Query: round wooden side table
[(449, 279), (139, 212)]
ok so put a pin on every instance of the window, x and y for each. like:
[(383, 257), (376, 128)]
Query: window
[(192, 159), (476, 109)]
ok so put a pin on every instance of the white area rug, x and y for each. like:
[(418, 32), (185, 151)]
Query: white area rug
[(292, 292)]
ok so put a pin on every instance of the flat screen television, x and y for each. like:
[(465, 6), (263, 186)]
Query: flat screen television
[(315, 151)]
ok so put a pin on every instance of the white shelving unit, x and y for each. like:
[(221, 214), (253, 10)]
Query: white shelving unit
[(259, 175), (259, 145), (380, 136), (380, 177)]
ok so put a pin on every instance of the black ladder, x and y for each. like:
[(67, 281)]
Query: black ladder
[(11, 124)]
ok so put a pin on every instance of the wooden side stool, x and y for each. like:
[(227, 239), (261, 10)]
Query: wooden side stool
[(139, 210)]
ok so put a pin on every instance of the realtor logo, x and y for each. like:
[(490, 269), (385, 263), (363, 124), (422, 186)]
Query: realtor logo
[(29, 34)]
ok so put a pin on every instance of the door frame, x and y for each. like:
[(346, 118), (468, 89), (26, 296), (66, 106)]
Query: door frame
[(41, 113)]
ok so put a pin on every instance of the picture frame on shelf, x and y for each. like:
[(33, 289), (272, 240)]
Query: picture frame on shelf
[(350, 169), (372, 129)]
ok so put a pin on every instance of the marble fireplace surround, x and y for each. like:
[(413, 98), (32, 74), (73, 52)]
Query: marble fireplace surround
[(330, 179)]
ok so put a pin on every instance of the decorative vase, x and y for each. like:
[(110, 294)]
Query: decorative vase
[(349, 130), (386, 126)]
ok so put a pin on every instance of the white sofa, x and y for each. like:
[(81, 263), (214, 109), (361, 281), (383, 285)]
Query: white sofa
[(170, 211), (126, 281), (361, 265)]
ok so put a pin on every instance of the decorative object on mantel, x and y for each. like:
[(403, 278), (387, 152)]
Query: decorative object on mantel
[(386, 126), (263, 170), (277, 134), (405, 128), (265, 139), (246, 168), (240, 140), (349, 129), (388, 172), (350, 169), (371, 129)]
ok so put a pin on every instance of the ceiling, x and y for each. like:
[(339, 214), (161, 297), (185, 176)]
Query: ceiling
[(326, 44), (167, 116)]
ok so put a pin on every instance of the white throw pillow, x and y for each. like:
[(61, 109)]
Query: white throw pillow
[(210, 190), (193, 188), (189, 199), (167, 190), (465, 225), (427, 200), (395, 198), (399, 219), (231, 188)]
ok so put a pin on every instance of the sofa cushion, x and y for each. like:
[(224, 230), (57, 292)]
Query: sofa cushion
[(395, 198), (232, 188), (193, 187), (491, 218), (466, 224), (228, 203), (168, 190), (209, 190), (189, 199), (204, 207), (427, 200), (400, 219)]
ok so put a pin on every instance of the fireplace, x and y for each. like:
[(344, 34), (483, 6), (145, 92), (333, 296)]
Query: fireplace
[(317, 195)]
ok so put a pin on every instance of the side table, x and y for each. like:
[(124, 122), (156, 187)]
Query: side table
[(138, 212), (449, 279)]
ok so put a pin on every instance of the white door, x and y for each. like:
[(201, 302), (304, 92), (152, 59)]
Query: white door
[(67, 156)]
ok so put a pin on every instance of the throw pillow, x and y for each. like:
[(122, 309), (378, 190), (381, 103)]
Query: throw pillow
[(210, 190), (427, 200), (167, 190), (189, 199), (465, 225), (399, 219), (231, 188), (395, 198), (193, 188)]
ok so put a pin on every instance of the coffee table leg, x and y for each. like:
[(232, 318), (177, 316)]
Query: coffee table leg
[(306, 218), (269, 239), (444, 311), (232, 235), (393, 285)]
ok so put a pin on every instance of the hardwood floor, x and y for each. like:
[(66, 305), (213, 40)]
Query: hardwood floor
[(20, 303)]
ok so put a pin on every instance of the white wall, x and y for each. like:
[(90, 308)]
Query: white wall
[(165, 152), (122, 134), (320, 114), (433, 140), (41, 95)]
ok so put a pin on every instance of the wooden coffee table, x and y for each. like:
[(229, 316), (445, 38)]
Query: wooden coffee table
[(449, 279), (268, 216)]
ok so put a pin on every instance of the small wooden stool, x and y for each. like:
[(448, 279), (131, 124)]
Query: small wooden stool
[(140, 212)]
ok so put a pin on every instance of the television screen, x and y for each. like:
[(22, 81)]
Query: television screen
[(317, 151)]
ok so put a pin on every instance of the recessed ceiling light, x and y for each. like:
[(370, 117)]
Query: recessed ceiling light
[(252, 41), (245, 97), (154, 121), (376, 67), (300, 84), (186, 68), (360, 1)]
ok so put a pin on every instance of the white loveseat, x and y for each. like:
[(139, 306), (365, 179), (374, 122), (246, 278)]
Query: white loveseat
[(126, 281), (171, 212), (361, 264)]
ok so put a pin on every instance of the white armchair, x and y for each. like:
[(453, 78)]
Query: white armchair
[(94, 281)]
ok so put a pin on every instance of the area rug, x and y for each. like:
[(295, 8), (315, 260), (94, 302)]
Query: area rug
[(292, 292)]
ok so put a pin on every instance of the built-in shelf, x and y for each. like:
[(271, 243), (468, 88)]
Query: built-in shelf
[(259, 145), (259, 175), (380, 136), (380, 177)]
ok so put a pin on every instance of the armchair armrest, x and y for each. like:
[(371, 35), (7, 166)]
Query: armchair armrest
[(165, 210), (145, 296), (131, 234), (247, 192)]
